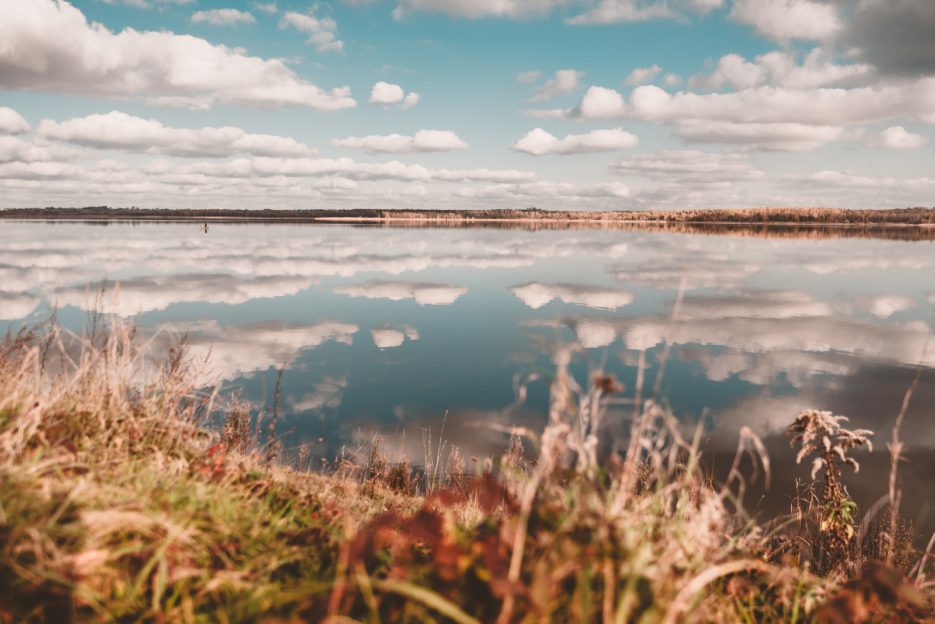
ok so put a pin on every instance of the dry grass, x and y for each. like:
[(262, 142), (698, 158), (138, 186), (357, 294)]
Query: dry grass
[(122, 499)]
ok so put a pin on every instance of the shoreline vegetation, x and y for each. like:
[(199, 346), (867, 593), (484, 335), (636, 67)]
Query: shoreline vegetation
[(129, 492), (905, 224), (741, 216)]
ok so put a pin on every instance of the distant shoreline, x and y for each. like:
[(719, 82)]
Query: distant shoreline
[(753, 217)]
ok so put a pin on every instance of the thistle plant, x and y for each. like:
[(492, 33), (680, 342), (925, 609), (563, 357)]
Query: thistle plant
[(820, 434)]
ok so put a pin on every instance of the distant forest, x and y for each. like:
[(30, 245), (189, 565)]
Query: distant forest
[(827, 216)]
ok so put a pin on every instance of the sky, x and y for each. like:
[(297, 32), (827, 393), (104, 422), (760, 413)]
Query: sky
[(557, 104)]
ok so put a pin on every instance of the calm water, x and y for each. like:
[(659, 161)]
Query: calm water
[(383, 330)]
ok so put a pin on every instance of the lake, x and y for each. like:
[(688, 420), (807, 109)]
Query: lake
[(398, 332)]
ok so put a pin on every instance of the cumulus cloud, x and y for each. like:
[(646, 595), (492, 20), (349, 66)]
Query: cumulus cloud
[(321, 31), (117, 130), (789, 19), (223, 17), (421, 141), (536, 295), (526, 77), (781, 69), (538, 142), (565, 81), (386, 94), (12, 122), (642, 75), (897, 137), (19, 151), (422, 293), (766, 104), (50, 46)]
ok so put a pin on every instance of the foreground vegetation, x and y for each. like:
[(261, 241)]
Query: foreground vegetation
[(803, 216), (128, 493)]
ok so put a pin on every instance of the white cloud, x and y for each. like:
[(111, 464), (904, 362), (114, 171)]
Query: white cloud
[(789, 19), (783, 70), (270, 8), (616, 11), (897, 137), (474, 9), (346, 167), (322, 31), (146, 4), (765, 104), (771, 136), (117, 130), (849, 179), (223, 17), (526, 77), (12, 122), (386, 94), (565, 81), (608, 193), (538, 142), (642, 75), (536, 295), (421, 141), (422, 293), (688, 166), (50, 46), (16, 150), (600, 103)]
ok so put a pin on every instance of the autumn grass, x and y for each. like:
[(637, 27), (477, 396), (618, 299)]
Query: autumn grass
[(122, 499)]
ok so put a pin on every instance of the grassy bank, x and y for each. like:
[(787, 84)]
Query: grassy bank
[(129, 493)]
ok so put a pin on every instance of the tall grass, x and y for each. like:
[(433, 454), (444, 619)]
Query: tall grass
[(128, 492)]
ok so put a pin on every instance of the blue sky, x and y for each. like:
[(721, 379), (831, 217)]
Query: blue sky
[(562, 104)]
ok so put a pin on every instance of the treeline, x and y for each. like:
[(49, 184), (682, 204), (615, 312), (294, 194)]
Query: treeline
[(824, 216)]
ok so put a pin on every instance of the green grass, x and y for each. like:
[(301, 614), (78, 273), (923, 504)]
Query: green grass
[(119, 503)]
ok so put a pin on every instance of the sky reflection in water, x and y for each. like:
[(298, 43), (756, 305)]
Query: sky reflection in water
[(386, 330)]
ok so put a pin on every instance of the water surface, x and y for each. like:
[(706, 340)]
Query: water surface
[(394, 331)]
